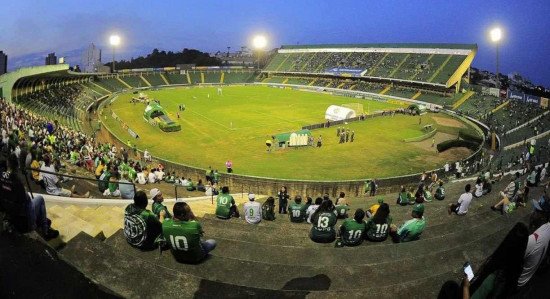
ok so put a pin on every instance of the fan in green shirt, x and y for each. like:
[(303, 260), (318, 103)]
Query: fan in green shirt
[(157, 207), (342, 211), (440, 192), (183, 234), (296, 210), (378, 227), (225, 205), (411, 229), (323, 220), (352, 231)]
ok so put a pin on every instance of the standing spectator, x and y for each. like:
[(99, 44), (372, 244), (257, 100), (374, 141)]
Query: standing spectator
[(229, 166), (373, 187), (411, 229), (225, 205), (157, 206), (184, 233), (141, 226), (378, 227), (323, 221), (297, 210), (268, 209), (461, 207), (283, 200), (352, 231), (252, 210)]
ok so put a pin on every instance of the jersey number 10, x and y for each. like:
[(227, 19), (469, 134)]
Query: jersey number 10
[(179, 242)]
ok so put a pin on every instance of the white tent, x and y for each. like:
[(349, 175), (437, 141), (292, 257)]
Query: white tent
[(335, 113)]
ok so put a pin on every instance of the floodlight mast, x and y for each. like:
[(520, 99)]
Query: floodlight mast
[(259, 42), (496, 36), (114, 40)]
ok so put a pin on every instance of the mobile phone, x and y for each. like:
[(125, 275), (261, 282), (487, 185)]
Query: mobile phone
[(468, 271)]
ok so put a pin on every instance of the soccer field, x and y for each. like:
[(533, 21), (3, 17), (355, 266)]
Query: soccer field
[(234, 126)]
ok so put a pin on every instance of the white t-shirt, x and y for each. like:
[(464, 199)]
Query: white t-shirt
[(141, 178), (543, 174), (464, 200), (152, 178), (310, 210), (159, 174), (534, 253), (479, 189), (447, 167), (253, 212)]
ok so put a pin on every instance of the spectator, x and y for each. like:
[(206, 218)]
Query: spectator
[(35, 174), (373, 187), (504, 204), (126, 188), (141, 178), (378, 227), (297, 210), (309, 202), (229, 166), (112, 189), (479, 188), (184, 232), (498, 276), (403, 197), (411, 229), (159, 175), (323, 220), (372, 210), (461, 207), (283, 200), (152, 178), (24, 212), (419, 195), (52, 181), (190, 185), (141, 226), (440, 192), (146, 156), (200, 186), (225, 205), (536, 251), (157, 206), (341, 199), (531, 180), (268, 209), (352, 231), (252, 210), (312, 208)]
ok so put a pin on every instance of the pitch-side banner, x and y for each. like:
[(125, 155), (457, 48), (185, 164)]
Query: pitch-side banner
[(344, 72), (490, 91), (544, 102), (532, 99), (516, 96)]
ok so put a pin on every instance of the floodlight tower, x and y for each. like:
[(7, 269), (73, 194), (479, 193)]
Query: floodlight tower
[(114, 40), (259, 43), (496, 36)]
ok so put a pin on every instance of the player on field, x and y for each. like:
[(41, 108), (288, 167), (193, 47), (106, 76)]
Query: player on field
[(183, 234), (252, 210), (323, 220), (296, 210), (141, 226), (225, 205), (353, 230), (378, 227)]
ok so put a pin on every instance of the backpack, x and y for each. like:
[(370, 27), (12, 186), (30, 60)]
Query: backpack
[(135, 230), (103, 183)]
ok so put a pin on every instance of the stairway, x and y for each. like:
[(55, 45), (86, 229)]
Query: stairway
[(463, 99)]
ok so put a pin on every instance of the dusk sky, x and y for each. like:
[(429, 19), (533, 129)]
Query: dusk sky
[(30, 27)]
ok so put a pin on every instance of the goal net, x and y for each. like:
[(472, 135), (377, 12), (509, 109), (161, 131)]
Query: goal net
[(357, 107)]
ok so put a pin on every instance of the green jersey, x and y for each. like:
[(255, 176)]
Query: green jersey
[(132, 173), (323, 226), (297, 212), (184, 238), (378, 232), (440, 193), (74, 157), (157, 207), (223, 205), (411, 229), (352, 232), (342, 211), (403, 198)]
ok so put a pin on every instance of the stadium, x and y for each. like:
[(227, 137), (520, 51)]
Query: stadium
[(363, 126)]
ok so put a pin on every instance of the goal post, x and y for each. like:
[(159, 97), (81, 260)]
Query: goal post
[(357, 107)]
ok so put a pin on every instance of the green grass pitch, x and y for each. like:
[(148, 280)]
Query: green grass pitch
[(236, 125)]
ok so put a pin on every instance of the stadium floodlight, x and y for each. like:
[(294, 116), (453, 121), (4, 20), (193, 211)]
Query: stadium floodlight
[(114, 40), (496, 36), (259, 42)]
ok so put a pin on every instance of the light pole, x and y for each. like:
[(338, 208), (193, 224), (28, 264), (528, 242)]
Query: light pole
[(259, 43), (496, 36), (114, 40)]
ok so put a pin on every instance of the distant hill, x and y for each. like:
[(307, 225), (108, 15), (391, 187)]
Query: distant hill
[(159, 58)]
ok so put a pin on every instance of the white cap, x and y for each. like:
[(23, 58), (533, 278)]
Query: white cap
[(251, 196), (154, 192)]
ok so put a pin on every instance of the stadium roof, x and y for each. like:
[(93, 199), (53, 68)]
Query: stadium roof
[(385, 45)]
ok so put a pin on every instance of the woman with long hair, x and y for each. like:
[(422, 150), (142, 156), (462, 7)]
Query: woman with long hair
[(323, 220), (268, 209), (498, 276), (378, 227)]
